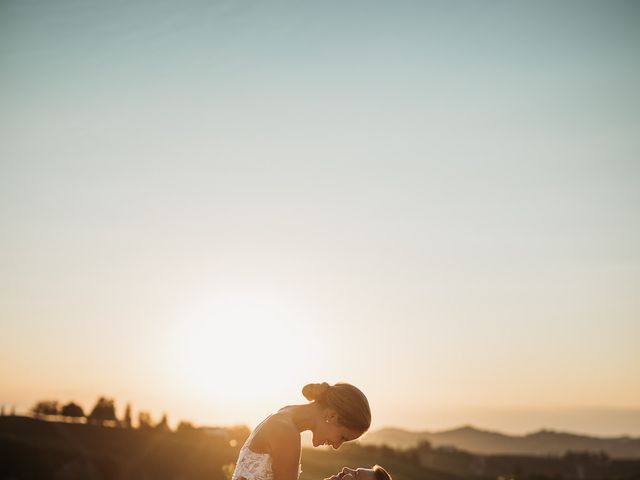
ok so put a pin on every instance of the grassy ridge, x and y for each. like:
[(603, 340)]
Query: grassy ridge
[(37, 449), (31, 449), (43, 450)]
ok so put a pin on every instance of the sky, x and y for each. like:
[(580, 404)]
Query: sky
[(207, 205)]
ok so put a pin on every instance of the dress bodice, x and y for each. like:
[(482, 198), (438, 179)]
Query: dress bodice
[(253, 465)]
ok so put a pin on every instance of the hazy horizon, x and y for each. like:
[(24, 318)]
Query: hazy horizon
[(207, 206), (606, 422)]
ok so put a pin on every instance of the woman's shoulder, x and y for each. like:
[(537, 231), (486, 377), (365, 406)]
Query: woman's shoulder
[(281, 424), (279, 430)]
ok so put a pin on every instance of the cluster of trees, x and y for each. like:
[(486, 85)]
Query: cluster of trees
[(103, 413), (3, 412), (46, 408)]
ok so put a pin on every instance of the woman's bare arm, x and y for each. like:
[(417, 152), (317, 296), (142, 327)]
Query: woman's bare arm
[(284, 446)]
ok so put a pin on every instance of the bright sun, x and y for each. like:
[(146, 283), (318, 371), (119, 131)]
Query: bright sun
[(241, 346)]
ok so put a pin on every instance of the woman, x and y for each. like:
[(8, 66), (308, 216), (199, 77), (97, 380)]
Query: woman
[(337, 413)]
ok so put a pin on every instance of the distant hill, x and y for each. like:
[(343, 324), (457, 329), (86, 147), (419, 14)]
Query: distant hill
[(544, 442)]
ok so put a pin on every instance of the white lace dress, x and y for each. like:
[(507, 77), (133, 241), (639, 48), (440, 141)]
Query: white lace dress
[(252, 465)]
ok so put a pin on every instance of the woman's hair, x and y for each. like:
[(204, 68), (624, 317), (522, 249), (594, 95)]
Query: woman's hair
[(381, 473), (349, 403)]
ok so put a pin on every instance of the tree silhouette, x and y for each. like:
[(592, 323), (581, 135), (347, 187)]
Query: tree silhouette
[(104, 411), (144, 420), (72, 410), (185, 428), (46, 407), (163, 425), (126, 422)]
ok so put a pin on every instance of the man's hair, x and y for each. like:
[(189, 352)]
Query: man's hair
[(381, 473)]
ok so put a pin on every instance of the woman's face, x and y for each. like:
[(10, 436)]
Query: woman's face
[(354, 474), (328, 431)]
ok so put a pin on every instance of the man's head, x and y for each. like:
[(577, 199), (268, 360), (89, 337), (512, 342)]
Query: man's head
[(375, 473)]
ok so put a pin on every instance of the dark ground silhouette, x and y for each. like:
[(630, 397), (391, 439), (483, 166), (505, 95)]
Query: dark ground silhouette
[(40, 449)]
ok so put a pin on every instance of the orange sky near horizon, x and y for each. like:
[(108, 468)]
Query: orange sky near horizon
[(206, 206)]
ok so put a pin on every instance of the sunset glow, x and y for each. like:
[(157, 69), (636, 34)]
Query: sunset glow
[(206, 206), (223, 346)]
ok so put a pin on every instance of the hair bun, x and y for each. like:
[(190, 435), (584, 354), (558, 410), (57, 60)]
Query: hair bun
[(315, 391)]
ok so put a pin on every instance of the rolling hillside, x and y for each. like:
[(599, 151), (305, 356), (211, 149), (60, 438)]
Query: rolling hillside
[(488, 443)]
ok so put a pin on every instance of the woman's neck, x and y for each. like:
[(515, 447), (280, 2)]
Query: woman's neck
[(303, 416)]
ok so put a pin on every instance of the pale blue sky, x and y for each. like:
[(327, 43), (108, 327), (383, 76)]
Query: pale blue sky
[(440, 198)]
